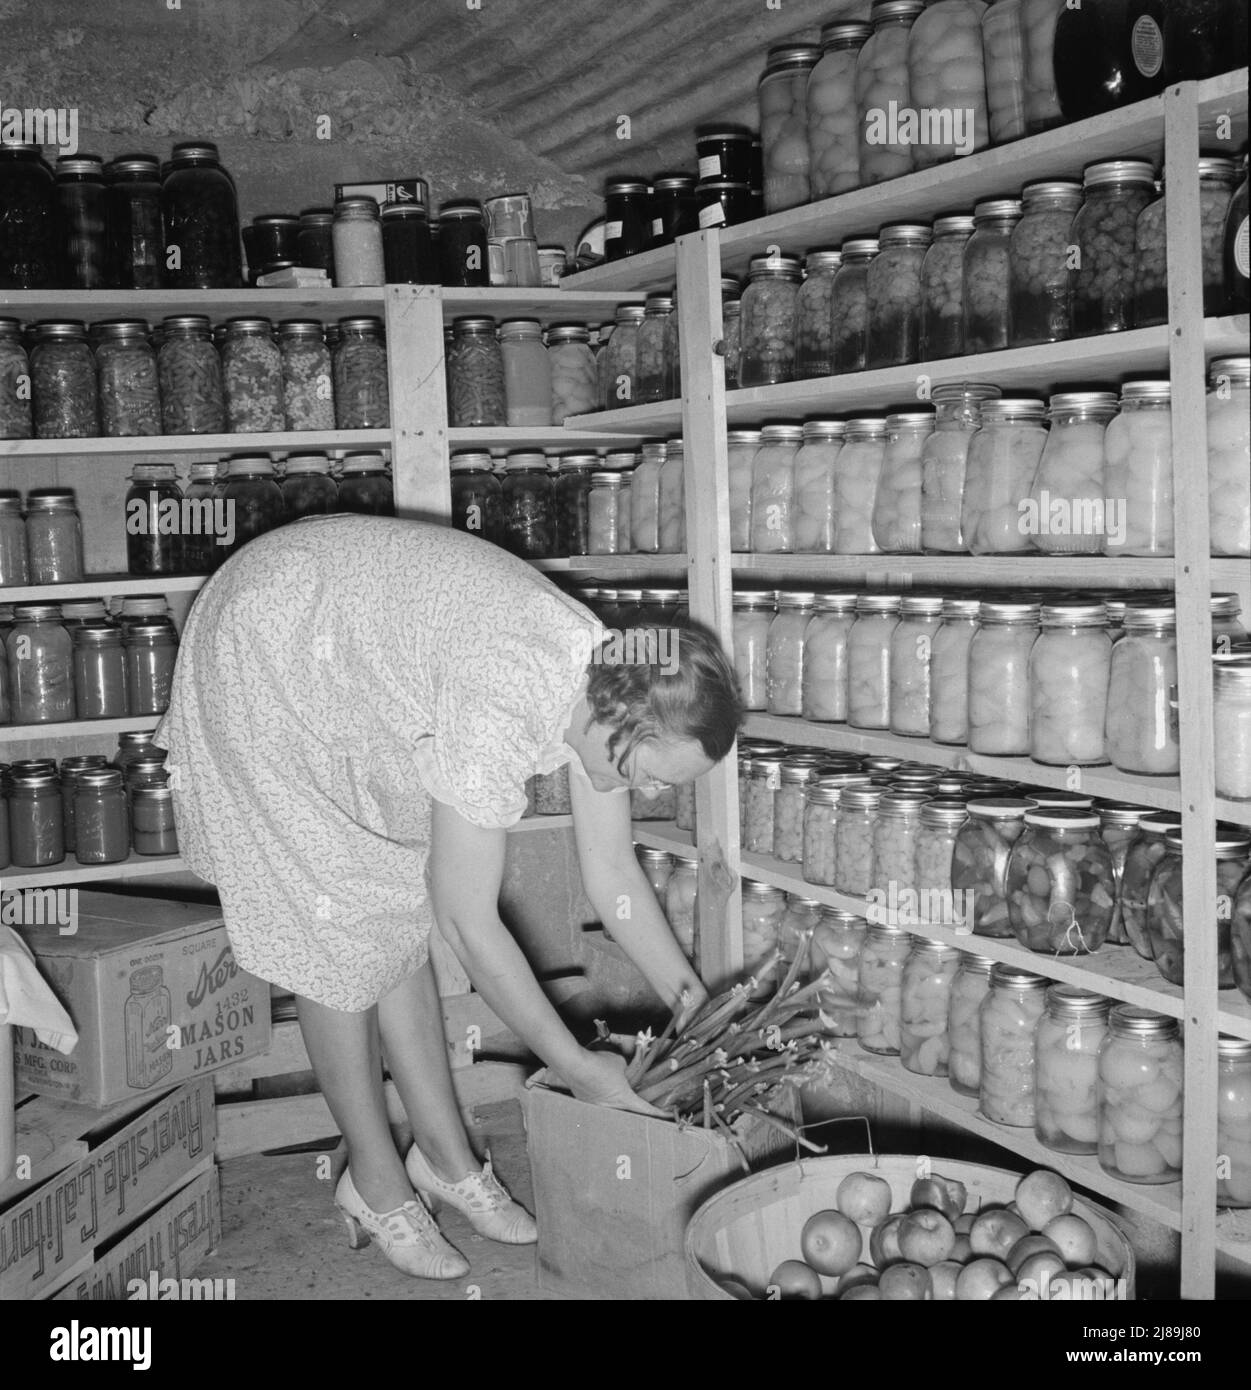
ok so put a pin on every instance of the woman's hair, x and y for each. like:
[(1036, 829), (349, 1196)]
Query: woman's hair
[(667, 683)]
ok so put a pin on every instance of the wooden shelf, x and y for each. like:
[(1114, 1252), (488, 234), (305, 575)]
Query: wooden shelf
[(507, 437), (528, 823), (557, 305), (93, 306), (209, 445), (70, 872), (663, 834), (104, 586), (656, 568), (75, 728)]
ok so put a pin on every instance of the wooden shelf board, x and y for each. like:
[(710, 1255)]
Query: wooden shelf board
[(536, 437), (555, 305), (69, 871), (618, 566), (103, 586), (92, 306), (649, 270), (283, 442), (75, 728), (663, 834)]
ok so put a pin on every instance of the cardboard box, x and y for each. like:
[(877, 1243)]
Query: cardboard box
[(614, 1191), (152, 1260), (156, 996), (414, 190), (46, 1234)]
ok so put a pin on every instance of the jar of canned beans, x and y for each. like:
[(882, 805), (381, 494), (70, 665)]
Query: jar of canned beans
[(307, 377), (15, 405), (1008, 1021), (54, 537), (1146, 850), (476, 394), (190, 372), (130, 397), (63, 382), (1070, 1034), (1140, 1097), (252, 377)]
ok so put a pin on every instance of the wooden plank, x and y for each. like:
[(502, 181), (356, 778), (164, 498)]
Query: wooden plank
[(97, 305), (102, 586), (419, 461), (198, 445)]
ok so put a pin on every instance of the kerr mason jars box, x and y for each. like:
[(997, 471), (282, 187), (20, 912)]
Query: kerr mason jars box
[(154, 991)]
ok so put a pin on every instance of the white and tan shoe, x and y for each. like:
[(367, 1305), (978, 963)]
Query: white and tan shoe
[(479, 1196), (407, 1236)]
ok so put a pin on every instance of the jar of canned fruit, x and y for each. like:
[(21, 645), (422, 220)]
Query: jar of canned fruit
[(944, 459), (1145, 852), (1070, 1033), (1140, 734), (941, 820), (836, 947), (868, 661), (1140, 1097), (753, 616), (925, 997), (1069, 666), (1229, 444), (1060, 884), (964, 1032), (1165, 928), (895, 842), (764, 779), (879, 1000), (999, 678), (1003, 458), (815, 465), (1233, 1122), (1008, 1022), (824, 693), (897, 503), (788, 807), (784, 653), (949, 671), (911, 650), (763, 909), (856, 478), (853, 839), (1118, 825), (1067, 512)]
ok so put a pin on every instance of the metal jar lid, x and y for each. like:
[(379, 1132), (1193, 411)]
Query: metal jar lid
[(568, 333), (1115, 171), (956, 225), (134, 633), (193, 149), (860, 246), (754, 599), (356, 207), (368, 461), (1157, 391), (1062, 818), (470, 323), (316, 217), (860, 798), (301, 328), (783, 265), (1074, 614), (788, 56), (51, 500), (472, 461), (910, 420), (961, 608), (609, 480), (995, 208), (33, 780), (1144, 617), (796, 599), (187, 323), (1129, 1021), (973, 964), (674, 183), (740, 436), (877, 603), (1083, 401), (1072, 801), (249, 326), (782, 434), (673, 450), (1008, 611), (658, 304), (842, 604), (866, 428), (78, 164), (120, 329), (823, 431), (844, 35), (1013, 977), (1069, 1002), (999, 808), (886, 10), (817, 261), (98, 779), (1019, 409), (944, 813), (762, 892), (921, 606), (1062, 190), (1118, 813), (1231, 842), (905, 234), (1235, 370), (1234, 1049), (617, 187), (531, 459), (59, 330), (96, 634), (630, 314), (307, 463)]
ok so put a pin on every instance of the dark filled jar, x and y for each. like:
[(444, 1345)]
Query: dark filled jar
[(1187, 40), (307, 487), (361, 393), (314, 244), (476, 393), (674, 208), (153, 510), (69, 770), (129, 387), (152, 820), (99, 672), (80, 197), (570, 494), (254, 499), (63, 382), (1038, 275), (201, 217), (365, 486), (151, 651), (1091, 58), (273, 237), (463, 259), (1237, 251), (36, 825), (28, 229), (986, 275), (200, 551), (627, 220), (724, 152), (526, 521), (101, 817), (134, 232), (193, 398), (15, 412), (724, 204), (476, 494), (407, 250), (307, 384)]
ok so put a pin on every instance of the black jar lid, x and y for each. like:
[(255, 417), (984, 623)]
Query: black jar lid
[(134, 164), (625, 184), (73, 164), (187, 150), (461, 208), (276, 219)]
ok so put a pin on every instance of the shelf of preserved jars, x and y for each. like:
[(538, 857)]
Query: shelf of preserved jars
[(557, 304), (1107, 782), (75, 728), (92, 306), (209, 445), (68, 872), (104, 586), (533, 437)]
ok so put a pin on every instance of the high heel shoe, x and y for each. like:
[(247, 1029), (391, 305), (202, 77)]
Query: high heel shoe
[(480, 1196), (407, 1235)]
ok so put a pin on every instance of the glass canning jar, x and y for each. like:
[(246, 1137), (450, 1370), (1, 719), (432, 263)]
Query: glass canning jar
[(944, 459), (63, 382), (650, 384), (1231, 727), (673, 209), (764, 907), (1165, 927), (365, 486), (201, 216), (190, 372), (1146, 850), (101, 817), (999, 679), (1140, 1097), (1235, 255), (893, 293), (307, 381), (764, 777), (28, 231), (1069, 666), (657, 866), (868, 661), (911, 646), (1093, 60), (1070, 1033), (849, 305), (151, 649), (154, 536), (130, 396), (941, 820), (620, 361), (732, 337), (1038, 28), (784, 653), (645, 499), (252, 377), (69, 770), (814, 325), (815, 466), (200, 551), (672, 500), (925, 997), (252, 493), (942, 290), (41, 666), (768, 326), (54, 537), (1140, 736), (782, 95), (315, 240), (1233, 1122), (895, 843), (684, 807), (152, 820), (681, 897), (526, 516), (1217, 178), (571, 508), (1227, 631), (14, 567), (879, 998), (408, 255), (1067, 512), (1007, 1022), (359, 258), (627, 226), (825, 678), (986, 275), (476, 390), (80, 195), (1061, 892), (1202, 38), (856, 477), (605, 499), (15, 413), (1038, 263), (36, 822), (1118, 824), (573, 371), (1003, 49), (820, 817), (946, 73), (742, 447), (773, 489), (853, 839), (307, 487), (836, 946), (949, 671), (833, 144), (897, 502), (964, 1035), (462, 245), (882, 85), (1138, 475), (1002, 462), (1229, 449), (359, 365), (1101, 283)]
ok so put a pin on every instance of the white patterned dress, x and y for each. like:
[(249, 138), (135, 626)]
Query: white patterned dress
[(333, 677)]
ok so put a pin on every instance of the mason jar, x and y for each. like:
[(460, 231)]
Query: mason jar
[(853, 839), (605, 500), (130, 396), (942, 290), (527, 373), (672, 500), (782, 95), (1231, 728), (1118, 825), (1140, 736), (1217, 178), (101, 817), (189, 368), (1008, 1022), (357, 236), (944, 459), (764, 777), (1233, 1122), (359, 362), (764, 907), (1069, 667), (999, 678), (856, 476), (1235, 260), (1140, 1097), (949, 671), (815, 465), (63, 382), (620, 361), (571, 488), (879, 1000), (1038, 29), (964, 1034), (657, 866), (69, 770), (1227, 631), (54, 537), (252, 377), (307, 489), (1038, 263), (252, 493), (41, 666), (1070, 1034), (477, 397), (784, 653), (201, 216), (365, 486), (645, 499), (1229, 445), (941, 820), (868, 661), (650, 384), (732, 337), (849, 305), (986, 275), (946, 72), (307, 379), (1165, 928), (814, 325), (882, 85), (681, 896), (36, 824), (573, 371), (895, 842), (1145, 852), (925, 997), (911, 647), (659, 805), (893, 288), (684, 807), (825, 678), (477, 497), (833, 144), (151, 650), (1067, 513), (897, 503), (768, 320), (773, 489), (28, 235), (527, 523), (14, 565), (152, 546), (820, 817), (1101, 284), (1061, 891), (753, 616), (1003, 459), (15, 413), (1003, 48), (1138, 475), (837, 943)]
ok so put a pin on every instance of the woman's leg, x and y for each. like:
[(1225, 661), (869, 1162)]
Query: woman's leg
[(410, 1019), (343, 1048)]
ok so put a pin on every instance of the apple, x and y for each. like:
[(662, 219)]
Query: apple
[(831, 1242), (1025, 1247), (794, 1279), (905, 1281), (1037, 1271), (864, 1197), (884, 1241), (943, 1194), (1012, 1293), (964, 1222), (737, 1290), (995, 1232), (861, 1293), (926, 1237), (857, 1274), (962, 1250), (978, 1281), (943, 1278), (1074, 1238), (1041, 1196)]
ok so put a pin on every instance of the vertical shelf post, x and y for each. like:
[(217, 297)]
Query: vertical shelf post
[(419, 461)]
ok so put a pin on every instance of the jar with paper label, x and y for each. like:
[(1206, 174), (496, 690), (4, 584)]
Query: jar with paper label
[(853, 839), (944, 460), (1140, 736), (857, 474), (1068, 511), (941, 820), (897, 503), (1139, 1091), (1038, 263), (879, 999), (1061, 891), (773, 489), (190, 372), (1003, 458), (882, 88), (681, 894), (620, 361), (894, 298), (1069, 667), (1038, 29), (964, 1035), (650, 383), (946, 73), (1070, 1034), (1101, 284), (783, 99), (949, 671), (527, 522), (768, 324), (54, 537), (41, 665), (942, 290), (895, 842), (763, 909), (645, 500), (849, 305), (673, 207), (1233, 1122), (627, 224), (836, 947), (1003, 50), (1118, 825), (307, 381), (785, 653), (833, 141), (925, 997), (763, 780), (1008, 1021), (1093, 60), (911, 648), (825, 676), (1229, 455), (573, 371), (1165, 927), (477, 396), (1231, 726), (63, 382), (672, 500), (1138, 475), (999, 678), (986, 275), (1236, 251), (814, 324), (753, 616), (868, 661), (742, 446), (1216, 189)]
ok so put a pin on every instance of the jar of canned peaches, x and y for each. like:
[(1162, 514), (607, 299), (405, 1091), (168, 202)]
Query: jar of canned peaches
[(824, 693), (944, 460), (1070, 1034), (836, 947), (911, 650), (882, 79), (856, 478), (941, 820), (753, 616), (925, 997), (763, 910), (1008, 1022), (1231, 724), (784, 653), (1140, 735), (1140, 1097), (999, 678), (1003, 460), (868, 661), (964, 1032), (815, 465), (979, 861), (1066, 514), (1233, 1122), (879, 1000), (821, 800), (949, 671), (799, 923), (1165, 927), (1229, 452), (671, 522), (1060, 884), (1069, 669), (681, 897), (897, 503), (1138, 473), (1146, 850), (831, 101), (773, 489), (742, 447), (645, 500), (853, 839)]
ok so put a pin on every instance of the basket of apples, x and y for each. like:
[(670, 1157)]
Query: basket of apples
[(889, 1226)]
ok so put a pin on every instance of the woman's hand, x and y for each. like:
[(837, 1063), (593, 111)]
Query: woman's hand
[(599, 1079)]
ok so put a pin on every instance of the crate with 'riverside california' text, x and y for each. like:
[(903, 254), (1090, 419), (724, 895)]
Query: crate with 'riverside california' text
[(154, 991)]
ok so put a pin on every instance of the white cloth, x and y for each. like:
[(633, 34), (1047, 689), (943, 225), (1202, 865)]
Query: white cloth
[(26, 998)]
